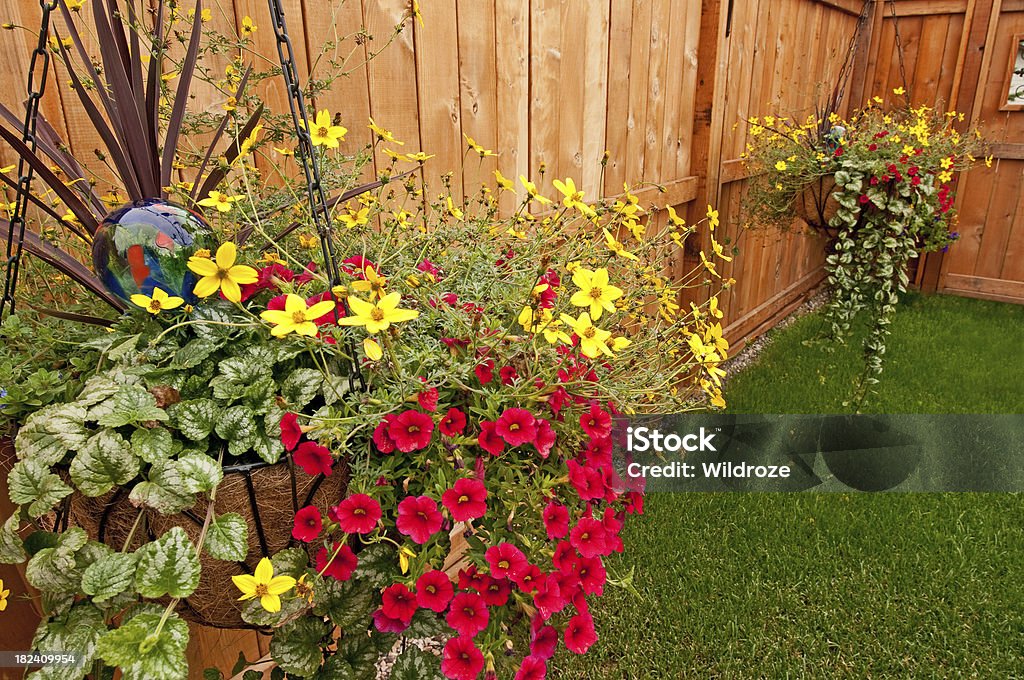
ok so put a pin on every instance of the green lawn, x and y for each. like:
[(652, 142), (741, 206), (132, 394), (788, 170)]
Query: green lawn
[(834, 585)]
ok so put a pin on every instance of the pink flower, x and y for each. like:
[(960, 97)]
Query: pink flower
[(556, 520), (472, 579), (427, 399), (428, 267), (290, 431), (580, 634), (453, 424), (485, 371), (314, 459), (398, 602), (592, 575), (548, 598), (506, 560), (386, 624), (467, 614), (596, 422), (343, 564), (489, 439), (588, 537), (516, 426), (532, 668), (461, 660), (466, 500), (544, 640), (357, 514), (434, 590), (588, 481), (527, 580), (508, 375), (382, 435), (307, 524), (545, 439), (411, 431), (356, 265), (419, 518), (495, 591)]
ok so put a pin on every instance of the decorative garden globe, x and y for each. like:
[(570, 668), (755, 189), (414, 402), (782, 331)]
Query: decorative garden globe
[(145, 245)]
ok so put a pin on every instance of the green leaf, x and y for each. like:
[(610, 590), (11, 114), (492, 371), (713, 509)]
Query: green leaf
[(291, 607), (132, 404), (425, 624), (237, 426), (269, 449), (345, 603), (200, 472), (291, 562), (143, 654), (50, 433), (109, 576), (227, 538), (242, 370), (31, 483), (153, 444), (122, 349), (195, 352), (415, 664), (195, 418), (168, 566), (335, 387), (55, 569), (105, 461), (378, 565), (78, 630), (361, 655), (97, 389), (301, 385), (166, 490), (12, 548), (296, 646), (212, 674)]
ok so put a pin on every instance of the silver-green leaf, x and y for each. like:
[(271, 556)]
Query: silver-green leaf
[(109, 576), (105, 461), (153, 444), (31, 483), (50, 433), (168, 566), (143, 654), (228, 538)]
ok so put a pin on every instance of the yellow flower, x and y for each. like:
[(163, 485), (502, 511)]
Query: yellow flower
[(712, 218), (481, 151), (229, 104), (3, 596), (709, 265), (248, 27), (593, 340), (222, 202), (355, 218), (372, 349), (781, 165), (111, 199), (284, 151), (7, 168), (946, 163), (206, 15), (419, 156), (453, 210), (503, 182), (676, 220), (264, 585), (717, 247), (324, 132), (377, 317), (249, 141), (222, 273), (898, 91), (383, 135), (572, 197), (404, 554), (988, 161), (160, 301), (75, 5), (531, 189), (713, 308), (595, 292), (296, 317), (308, 241), (616, 247), (372, 284)]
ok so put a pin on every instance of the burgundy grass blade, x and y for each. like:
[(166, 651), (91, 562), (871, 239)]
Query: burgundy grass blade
[(72, 316), (48, 210), (188, 67), (220, 132), (219, 173)]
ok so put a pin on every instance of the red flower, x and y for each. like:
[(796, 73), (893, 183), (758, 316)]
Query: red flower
[(307, 274), (532, 668), (308, 524), (864, 199), (466, 500), (419, 518), (516, 426), (596, 422), (472, 579), (588, 537), (548, 598), (343, 564), (356, 266), (386, 624), (382, 435), (411, 431), (543, 640), (556, 520), (872, 147), (290, 431), (495, 591), (428, 267), (453, 424), (508, 375), (357, 514), (461, 660), (592, 575), (580, 634), (565, 558), (485, 371), (839, 152), (545, 439), (314, 458), (506, 560), (468, 614), (398, 602), (588, 481), (434, 591), (427, 399), (489, 440), (528, 579)]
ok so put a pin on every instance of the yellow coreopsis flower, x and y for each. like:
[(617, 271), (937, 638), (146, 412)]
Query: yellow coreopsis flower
[(296, 317), (355, 218), (377, 317), (419, 156), (159, 302), (572, 197), (222, 202), (675, 219), (712, 218), (372, 349), (383, 134), (264, 585), (709, 265), (780, 165), (593, 340), (323, 131), (4, 592), (503, 182), (248, 27), (898, 91), (616, 247), (373, 284), (595, 291), (717, 247), (221, 273), (453, 210), (531, 190)]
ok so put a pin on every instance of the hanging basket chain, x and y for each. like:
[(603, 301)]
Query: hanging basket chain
[(315, 193), (899, 49), (38, 72)]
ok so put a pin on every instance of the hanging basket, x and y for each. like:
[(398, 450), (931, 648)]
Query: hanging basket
[(815, 205), (266, 496)]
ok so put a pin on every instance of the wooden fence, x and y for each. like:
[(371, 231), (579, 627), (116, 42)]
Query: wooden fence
[(664, 85)]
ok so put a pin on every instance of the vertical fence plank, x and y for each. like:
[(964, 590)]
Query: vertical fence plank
[(595, 95), (477, 69), (545, 74), (512, 41), (619, 74)]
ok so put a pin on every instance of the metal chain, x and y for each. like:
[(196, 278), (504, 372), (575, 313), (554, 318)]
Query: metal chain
[(316, 195), (899, 48), (36, 87)]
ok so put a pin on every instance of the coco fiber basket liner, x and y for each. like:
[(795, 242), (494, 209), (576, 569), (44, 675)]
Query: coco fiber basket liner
[(267, 496), (815, 204)]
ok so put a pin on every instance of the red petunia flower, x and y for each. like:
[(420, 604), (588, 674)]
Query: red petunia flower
[(461, 660), (485, 371), (356, 265), (565, 558), (588, 537), (386, 624), (357, 514), (588, 481), (291, 433), (419, 518), (472, 579), (427, 399), (308, 524), (508, 375), (548, 599), (411, 431), (382, 435), (341, 566), (434, 590), (428, 267), (453, 424), (580, 634), (516, 426), (506, 560), (596, 422), (495, 592), (398, 602), (545, 439), (556, 520), (532, 668), (489, 439), (466, 500), (314, 459), (527, 580), (467, 614), (592, 575), (544, 640)]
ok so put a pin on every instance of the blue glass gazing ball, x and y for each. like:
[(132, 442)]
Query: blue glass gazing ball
[(145, 245)]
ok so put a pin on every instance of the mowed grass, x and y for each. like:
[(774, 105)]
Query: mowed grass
[(833, 585)]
